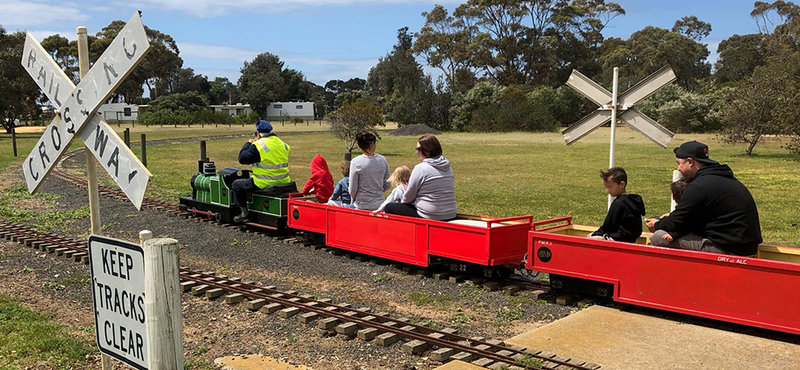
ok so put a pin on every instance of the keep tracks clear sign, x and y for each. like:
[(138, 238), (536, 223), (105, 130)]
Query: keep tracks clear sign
[(118, 292)]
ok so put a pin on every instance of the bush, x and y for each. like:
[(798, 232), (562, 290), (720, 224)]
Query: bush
[(351, 118), (159, 117), (465, 104), (565, 104), (424, 105), (190, 101), (490, 108), (682, 111), (246, 119)]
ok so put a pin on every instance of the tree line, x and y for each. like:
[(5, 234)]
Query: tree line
[(502, 64)]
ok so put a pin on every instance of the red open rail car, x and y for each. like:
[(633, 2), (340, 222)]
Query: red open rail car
[(762, 291), (479, 240)]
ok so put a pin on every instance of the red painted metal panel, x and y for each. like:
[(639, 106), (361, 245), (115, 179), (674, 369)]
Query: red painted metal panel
[(411, 240), (470, 245), (749, 291), (361, 232), (488, 246), (308, 216), (506, 245)]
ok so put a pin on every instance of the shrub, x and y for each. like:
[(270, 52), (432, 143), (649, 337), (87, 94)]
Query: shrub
[(512, 109), (351, 118)]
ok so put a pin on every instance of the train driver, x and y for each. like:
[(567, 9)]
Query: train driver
[(269, 156)]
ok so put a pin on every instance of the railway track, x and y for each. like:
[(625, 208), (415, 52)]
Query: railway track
[(330, 318)]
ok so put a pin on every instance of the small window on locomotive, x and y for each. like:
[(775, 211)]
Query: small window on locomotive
[(300, 107), (277, 106), (127, 112)]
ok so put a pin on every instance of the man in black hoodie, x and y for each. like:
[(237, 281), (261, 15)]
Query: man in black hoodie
[(624, 219), (716, 213)]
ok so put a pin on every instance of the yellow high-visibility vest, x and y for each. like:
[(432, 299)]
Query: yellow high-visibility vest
[(274, 166)]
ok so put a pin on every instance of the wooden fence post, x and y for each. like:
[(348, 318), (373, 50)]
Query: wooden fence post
[(144, 149), (14, 139), (162, 303)]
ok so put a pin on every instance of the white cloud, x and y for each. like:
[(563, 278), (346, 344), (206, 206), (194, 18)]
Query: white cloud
[(318, 70), (356, 63), (28, 13), (211, 73), (212, 8), (322, 70), (42, 34), (204, 51)]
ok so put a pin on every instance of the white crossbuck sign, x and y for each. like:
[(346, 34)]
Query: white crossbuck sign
[(625, 102), (77, 111)]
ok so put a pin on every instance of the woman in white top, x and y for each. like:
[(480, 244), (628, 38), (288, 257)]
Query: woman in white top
[(369, 174)]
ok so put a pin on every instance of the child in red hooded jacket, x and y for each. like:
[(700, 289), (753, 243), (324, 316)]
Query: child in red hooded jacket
[(321, 181)]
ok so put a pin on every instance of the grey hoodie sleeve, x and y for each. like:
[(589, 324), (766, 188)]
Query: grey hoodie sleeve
[(413, 184)]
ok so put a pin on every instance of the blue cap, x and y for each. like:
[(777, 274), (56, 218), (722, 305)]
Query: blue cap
[(263, 126)]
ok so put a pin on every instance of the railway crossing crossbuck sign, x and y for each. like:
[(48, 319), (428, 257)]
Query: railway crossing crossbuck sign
[(611, 104), (77, 107), (624, 103)]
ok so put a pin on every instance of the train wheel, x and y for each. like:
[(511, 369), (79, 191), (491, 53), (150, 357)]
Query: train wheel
[(194, 212), (183, 208), (218, 217)]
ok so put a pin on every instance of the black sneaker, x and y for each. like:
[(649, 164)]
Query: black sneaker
[(240, 219)]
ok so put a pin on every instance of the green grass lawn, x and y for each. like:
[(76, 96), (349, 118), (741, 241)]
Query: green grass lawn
[(503, 174), (26, 141), (27, 337), (509, 174)]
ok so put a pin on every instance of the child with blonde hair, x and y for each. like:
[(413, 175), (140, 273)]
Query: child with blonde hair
[(399, 179)]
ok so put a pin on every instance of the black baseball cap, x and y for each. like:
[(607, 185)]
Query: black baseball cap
[(695, 150)]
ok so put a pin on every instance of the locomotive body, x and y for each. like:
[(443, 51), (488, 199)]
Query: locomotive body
[(211, 197)]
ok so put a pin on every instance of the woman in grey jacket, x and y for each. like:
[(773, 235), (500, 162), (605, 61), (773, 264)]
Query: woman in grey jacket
[(431, 190)]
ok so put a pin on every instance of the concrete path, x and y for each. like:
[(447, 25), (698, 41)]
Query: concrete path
[(255, 362), (459, 365), (624, 340)]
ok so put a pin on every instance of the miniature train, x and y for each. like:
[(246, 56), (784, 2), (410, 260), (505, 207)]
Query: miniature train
[(756, 291)]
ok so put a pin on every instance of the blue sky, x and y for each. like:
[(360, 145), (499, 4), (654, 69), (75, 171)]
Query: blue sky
[(325, 39)]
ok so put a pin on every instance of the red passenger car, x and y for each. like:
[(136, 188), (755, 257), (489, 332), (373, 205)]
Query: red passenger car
[(762, 291), (472, 240)]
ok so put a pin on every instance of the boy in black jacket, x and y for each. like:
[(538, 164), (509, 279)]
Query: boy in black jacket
[(624, 220)]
